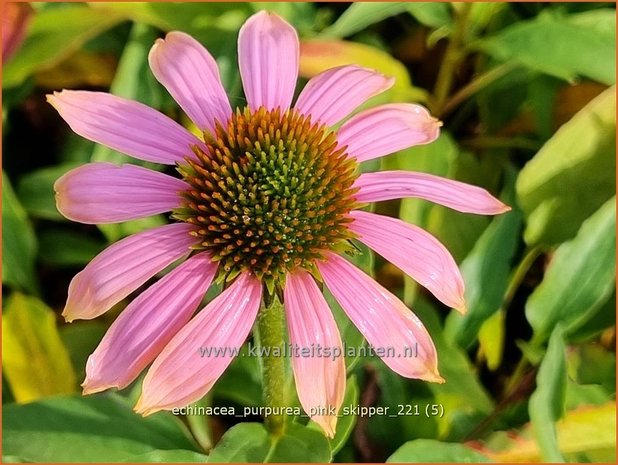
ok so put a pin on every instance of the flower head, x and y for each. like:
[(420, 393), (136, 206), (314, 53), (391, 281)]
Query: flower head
[(268, 198)]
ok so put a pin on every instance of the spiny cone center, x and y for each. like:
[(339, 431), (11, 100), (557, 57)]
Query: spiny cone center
[(270, 195)]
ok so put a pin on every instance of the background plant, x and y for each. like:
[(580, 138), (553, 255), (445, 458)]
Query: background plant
[(526, 92)]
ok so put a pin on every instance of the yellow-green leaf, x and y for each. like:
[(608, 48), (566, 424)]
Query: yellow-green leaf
[(547, 402), (47, 44), (580, 277), (36, 363), (572, 175), (585, 434), (491, 339)]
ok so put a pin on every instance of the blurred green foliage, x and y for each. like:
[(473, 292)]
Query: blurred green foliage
[(527, 95)]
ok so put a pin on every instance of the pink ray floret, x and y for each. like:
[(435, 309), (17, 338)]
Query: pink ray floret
[(415, 251), (148, 324), (466, 198), (100, 193), (181, 374), (320, 380), (383, 319), (123, 267)]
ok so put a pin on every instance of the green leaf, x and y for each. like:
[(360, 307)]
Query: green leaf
[(245, 442), (100, 428), (19, 245), (213, 24), (242, 381), (561, 45), (433, 14), (604, 317), (485, 271), (116, 231), (64, 248), (133, 78), (358, 16), (463, 399), (53, 35), (429, 450), (36, 191), (555, 189), (547, 402), (250, 442), (462, 396), (592, 364), (168, 456), (81, 338), (302, 15), (580, 277), (578, 395), (36, 363)]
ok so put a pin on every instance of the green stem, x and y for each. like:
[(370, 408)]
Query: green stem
[(520, 273), (516, 279), (271, 334), (452, 59), (476, 85), (518, 374)]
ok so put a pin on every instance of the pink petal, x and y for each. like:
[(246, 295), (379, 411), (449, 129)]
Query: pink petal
[(334, 94), (124, 125), (180, 374), (191, 76), (388, 185), (415, 251), (387, 129), (143, 329), (320, 379), (123, 267), (268, 58), (99, 193), (394, 332)]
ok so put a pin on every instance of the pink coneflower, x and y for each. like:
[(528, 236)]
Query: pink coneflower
[(268, 199)]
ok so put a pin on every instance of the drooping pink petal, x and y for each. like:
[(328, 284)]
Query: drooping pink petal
[(268, 53), (395, 333), (184, 372), (123, 267), (415, 251), (125, 125), (100, 193), (388, 185), (334, 94), (387, 129), (143, 329), (320, 378), (191, 76)]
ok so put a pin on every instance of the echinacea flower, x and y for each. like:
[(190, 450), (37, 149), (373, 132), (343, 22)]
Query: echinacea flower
[(269, 198)]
